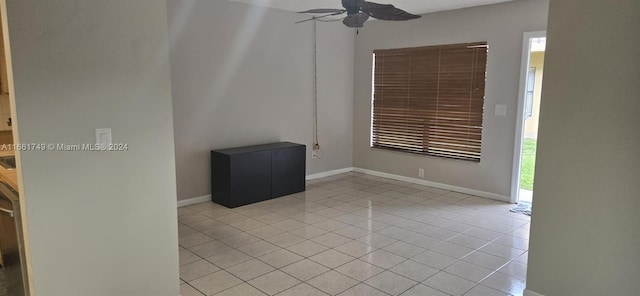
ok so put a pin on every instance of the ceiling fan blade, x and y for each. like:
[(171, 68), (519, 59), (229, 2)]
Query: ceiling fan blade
[(355, 20), (323, 10), (387, 12)]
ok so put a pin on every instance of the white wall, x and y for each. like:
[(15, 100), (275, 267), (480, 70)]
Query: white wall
[(585, 238), (243, 75), (99, 223), (502, 25)]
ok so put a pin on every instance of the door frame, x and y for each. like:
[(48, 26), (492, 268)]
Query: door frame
[(517, 147)]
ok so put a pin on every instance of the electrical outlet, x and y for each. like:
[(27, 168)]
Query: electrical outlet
[(314, 154), (421, 173)]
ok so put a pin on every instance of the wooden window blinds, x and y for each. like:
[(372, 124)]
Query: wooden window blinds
[(430, 100)]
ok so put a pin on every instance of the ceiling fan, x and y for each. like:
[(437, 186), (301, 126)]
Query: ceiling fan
[(359, 11)]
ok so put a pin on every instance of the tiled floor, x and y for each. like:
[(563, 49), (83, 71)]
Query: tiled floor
[(355, 234)]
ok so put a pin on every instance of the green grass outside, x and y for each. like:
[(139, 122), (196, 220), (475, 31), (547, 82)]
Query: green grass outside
[(528, 164)]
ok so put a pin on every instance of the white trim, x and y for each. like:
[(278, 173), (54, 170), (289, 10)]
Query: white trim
[(528, 292), (517, 146), (329, 173), (193, 200), (434, 184)]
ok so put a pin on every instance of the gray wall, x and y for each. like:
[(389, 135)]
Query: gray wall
[(99, 223), (502, 25), (585, 238), (243, 75)]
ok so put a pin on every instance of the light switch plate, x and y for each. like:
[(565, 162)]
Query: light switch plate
[(500, 110), (103, 137)]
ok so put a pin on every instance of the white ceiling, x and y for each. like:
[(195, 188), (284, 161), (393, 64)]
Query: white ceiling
[(412, 6)]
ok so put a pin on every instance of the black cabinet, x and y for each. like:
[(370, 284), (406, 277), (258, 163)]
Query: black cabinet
[(245, 175)]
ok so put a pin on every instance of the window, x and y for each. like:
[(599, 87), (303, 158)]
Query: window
[(430, 100), (531, 83)]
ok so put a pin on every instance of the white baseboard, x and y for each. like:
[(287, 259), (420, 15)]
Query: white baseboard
[(204, 198), (329, 173), (528, 292), (434, 184), (194, 200)]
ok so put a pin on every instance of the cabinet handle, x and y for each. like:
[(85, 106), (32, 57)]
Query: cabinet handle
[(6, 212)]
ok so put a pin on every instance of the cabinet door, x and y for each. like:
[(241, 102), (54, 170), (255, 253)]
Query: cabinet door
[(288, 171), (250, 178)]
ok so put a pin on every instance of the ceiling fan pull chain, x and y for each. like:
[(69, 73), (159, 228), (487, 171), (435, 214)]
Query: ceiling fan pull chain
[(316, 144)]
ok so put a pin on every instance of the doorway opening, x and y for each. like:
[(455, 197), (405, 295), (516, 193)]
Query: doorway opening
[(534, 46)]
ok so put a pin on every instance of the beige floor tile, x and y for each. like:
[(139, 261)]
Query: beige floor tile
[(482, 233), (414, 270), (305, 269), (302, 290), (331, 258), (422, 290), (355, 249), (449, 283), (221, 232), (307, 248), (396, 232), (194, 239), (259, 248), (505, 283), (239, 239), (359, 270), (186, 290), (361, 290), (515, 269), (330, 225), (330, 213), (377, 240), (265, 232), (481, 290), (209, 249), (486, 260), (433, 259), (403, 235), (422, 241), (274, 282), (197, 269), (249, 270), (280, 258), (247, 224), (349, 218), (331, 240), (403, 249), (271, 218), (469, 271), (185, 256), (390, 283), (332, 282), (371, 225), (502, 251), (382, 258), (241, 290), (468, 241), (451, 250), (289, 224), (228, 258), (284, 240), (309, 232), (513, 242), (215, 282), (352, 232)]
